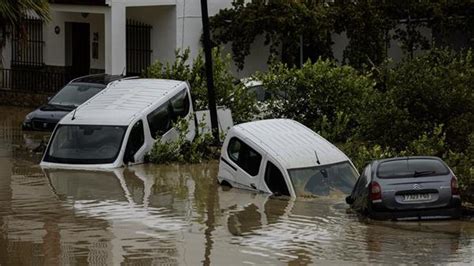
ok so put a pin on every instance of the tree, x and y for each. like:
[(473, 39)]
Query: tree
[(285, 25), (370, 25), (12, 14)]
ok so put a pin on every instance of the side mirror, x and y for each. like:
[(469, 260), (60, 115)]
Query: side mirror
[(49, 98), (349, 200)]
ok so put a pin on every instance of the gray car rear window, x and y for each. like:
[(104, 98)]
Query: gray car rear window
[(411, 167)]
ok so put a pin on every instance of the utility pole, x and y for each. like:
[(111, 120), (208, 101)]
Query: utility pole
[(209, 75)]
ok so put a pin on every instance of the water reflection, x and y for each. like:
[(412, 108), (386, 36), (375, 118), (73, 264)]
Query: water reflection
[(175, 214), (322, 230)]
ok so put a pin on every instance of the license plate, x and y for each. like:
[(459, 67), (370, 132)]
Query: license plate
[(416, 197)]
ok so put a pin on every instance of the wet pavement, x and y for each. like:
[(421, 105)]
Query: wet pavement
[(150, 214)]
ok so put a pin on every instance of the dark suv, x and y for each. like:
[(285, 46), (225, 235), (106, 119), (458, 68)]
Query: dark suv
[(67, 99)]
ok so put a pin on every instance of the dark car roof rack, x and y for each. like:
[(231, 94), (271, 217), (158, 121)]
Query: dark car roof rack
[(98, 78)]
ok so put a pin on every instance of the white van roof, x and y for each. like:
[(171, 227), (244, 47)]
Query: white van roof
[(291, 143), (122, 101)]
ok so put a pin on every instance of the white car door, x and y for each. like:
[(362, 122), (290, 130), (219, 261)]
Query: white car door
[(244, 163)]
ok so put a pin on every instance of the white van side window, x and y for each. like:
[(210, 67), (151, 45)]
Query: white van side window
[(244, 156), (159, 121), (135, 142), (180, 105)]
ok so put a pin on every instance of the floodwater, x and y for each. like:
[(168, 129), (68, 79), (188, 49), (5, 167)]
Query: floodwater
[(172, 214)]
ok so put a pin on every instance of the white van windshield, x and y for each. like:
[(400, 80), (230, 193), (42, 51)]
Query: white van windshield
[(322, 180), (85, 144)]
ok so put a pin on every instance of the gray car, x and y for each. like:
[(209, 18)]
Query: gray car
[(67, 99), (407, 188)]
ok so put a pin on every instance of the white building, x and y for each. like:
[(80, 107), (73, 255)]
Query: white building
[(120, 36), (112, 36)]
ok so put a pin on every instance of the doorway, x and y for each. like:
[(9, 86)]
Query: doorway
[(77, 48)]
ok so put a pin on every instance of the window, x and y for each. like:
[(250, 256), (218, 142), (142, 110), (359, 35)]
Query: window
[(411, 168), (138, 46), (322, 180), (275, 180), (75, 94), (159, 121), (28, 51), (180, 105), (135, 142), (363, 180), (245, 157), (85, 144)]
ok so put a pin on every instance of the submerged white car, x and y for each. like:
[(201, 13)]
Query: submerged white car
[(284, 157), (120, 124)]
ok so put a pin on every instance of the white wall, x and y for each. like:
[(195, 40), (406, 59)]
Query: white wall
[(189, 31), (395, 51), (255, 61), (163, 35), (340, 43), (189, 22), (54, 48)]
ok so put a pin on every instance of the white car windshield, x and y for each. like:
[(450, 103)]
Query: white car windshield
[(85, 144), (322, 180)]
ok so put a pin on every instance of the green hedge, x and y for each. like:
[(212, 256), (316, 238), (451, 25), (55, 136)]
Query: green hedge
[(228, 93), (423, 106)]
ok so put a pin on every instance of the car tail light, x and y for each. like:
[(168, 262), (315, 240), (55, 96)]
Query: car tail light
[(454, 186), (375, 191)]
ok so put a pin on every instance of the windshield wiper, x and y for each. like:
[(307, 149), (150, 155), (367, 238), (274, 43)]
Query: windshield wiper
[(423, 173)]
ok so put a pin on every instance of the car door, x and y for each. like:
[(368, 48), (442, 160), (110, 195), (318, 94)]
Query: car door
[(180, 107), (245, 163), (274, 180), (360, 193), (135, 149)]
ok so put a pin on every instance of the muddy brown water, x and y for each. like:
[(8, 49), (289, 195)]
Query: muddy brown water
[(150, 214)]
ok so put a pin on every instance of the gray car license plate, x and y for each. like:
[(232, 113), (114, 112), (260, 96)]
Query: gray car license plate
[(417, 197)]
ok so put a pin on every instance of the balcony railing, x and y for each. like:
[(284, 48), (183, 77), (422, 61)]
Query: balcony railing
[(32, 80)]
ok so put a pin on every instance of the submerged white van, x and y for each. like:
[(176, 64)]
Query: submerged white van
[(284, 157), (119, 125)]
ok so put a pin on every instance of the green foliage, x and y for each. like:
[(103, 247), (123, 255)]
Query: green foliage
[(432, 89), (228, 93), (363, 153), (182, 150), (325, 97), (425, 106), (462, 164), (370, 25), (12, 15), (12, 12), (282, 23)]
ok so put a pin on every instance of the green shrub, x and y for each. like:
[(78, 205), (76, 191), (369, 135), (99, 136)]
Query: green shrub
[(362, 153), (182, 150), (325, 97), (432, 89), (228, 93)]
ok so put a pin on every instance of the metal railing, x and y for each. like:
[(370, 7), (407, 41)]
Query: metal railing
[(27, 44), (139, 51), (32, 80)]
